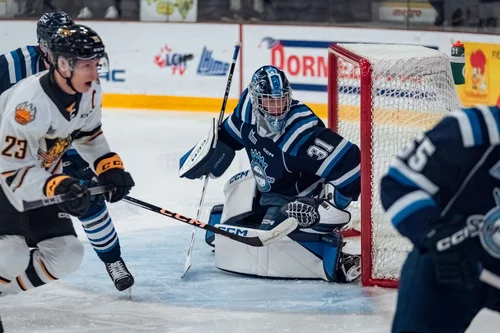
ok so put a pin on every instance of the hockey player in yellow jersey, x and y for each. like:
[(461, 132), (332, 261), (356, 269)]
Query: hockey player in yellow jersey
[(40, 118)]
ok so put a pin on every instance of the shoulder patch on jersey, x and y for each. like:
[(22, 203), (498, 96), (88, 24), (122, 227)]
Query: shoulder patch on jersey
[(25, 113)]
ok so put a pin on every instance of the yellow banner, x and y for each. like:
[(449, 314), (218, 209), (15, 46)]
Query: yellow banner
[(482, 74)]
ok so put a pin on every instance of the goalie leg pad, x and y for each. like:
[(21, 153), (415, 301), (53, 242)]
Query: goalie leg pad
[(215, 217), (239, 194), (299, 255)]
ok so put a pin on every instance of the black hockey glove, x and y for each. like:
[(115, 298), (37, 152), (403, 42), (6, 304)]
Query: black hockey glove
[(454, 255), (110, 171), (95, 199), (305, 210), (62, 184)]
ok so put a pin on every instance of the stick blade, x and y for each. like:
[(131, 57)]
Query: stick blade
[(283, 229)]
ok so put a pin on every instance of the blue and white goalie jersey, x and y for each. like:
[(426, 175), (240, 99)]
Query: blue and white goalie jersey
[(296, 162), (19, 64), (450, 174)]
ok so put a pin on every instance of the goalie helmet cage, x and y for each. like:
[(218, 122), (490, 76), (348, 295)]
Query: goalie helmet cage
[(380, 96)]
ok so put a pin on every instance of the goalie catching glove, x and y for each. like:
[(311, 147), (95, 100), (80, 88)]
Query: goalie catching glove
[(110, 171), (210, 157), (316, 215)]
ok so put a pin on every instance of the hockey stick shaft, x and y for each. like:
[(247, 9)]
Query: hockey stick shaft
[(29, 205), (187, 263), (278, 232), (236, 52), (22, 206), (237, 48)]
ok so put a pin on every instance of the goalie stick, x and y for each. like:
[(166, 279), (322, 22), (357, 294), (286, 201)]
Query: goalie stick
[(187, 263), (22, 206), (265, 238)]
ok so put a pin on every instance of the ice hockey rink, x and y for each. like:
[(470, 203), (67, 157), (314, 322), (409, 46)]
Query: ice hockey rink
[(154, 248)]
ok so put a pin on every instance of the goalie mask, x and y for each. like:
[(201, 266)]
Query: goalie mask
[(271, 98)]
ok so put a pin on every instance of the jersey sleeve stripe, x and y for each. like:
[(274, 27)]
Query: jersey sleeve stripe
[(347, 178), (409, 204), (491, 124), (299, 144), (247, 109), (465, 128), (298, 111), (296, 130), (89, 134), (34, 59), (476, 127), (335, 156), (406, 176), (12, 68), (233, 130), (242, 100), (28, 61), (22, 63)]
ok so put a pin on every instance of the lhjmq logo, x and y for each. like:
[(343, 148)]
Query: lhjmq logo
[(209, 66)]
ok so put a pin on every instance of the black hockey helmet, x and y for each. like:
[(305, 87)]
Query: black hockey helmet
[(76, 42), (49, 23), (73, 43)]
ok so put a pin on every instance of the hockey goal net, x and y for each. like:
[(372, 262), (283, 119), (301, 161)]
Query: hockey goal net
[(380, 97)]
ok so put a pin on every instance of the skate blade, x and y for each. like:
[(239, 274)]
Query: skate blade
[(128, 292)]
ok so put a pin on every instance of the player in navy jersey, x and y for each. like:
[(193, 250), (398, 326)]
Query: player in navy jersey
[(299, 169), (442, 192), (96, 222)]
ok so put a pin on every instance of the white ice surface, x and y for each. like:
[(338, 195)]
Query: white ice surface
[(154, 248)]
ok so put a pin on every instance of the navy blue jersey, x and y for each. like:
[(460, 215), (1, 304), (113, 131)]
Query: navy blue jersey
[(451, 173), (19, 64), (297, 161)]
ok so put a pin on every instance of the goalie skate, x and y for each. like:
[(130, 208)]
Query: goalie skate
[(120, 275), (350, 268)]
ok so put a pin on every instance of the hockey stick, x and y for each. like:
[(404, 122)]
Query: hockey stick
[(490, 278), (187, 263), (265, 238), (22, 206)]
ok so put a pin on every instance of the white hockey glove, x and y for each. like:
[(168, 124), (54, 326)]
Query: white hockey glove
[(315, 215)]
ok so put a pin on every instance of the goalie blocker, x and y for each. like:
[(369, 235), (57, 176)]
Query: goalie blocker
[(312, 252)]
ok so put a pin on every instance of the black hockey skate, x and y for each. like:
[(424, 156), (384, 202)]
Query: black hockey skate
[(350, 268), (120, 275)]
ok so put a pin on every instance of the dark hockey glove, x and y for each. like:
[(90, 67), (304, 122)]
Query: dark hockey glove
[(305, 210), (62, 184), (96, 199), (454, 255), (110, 171)]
